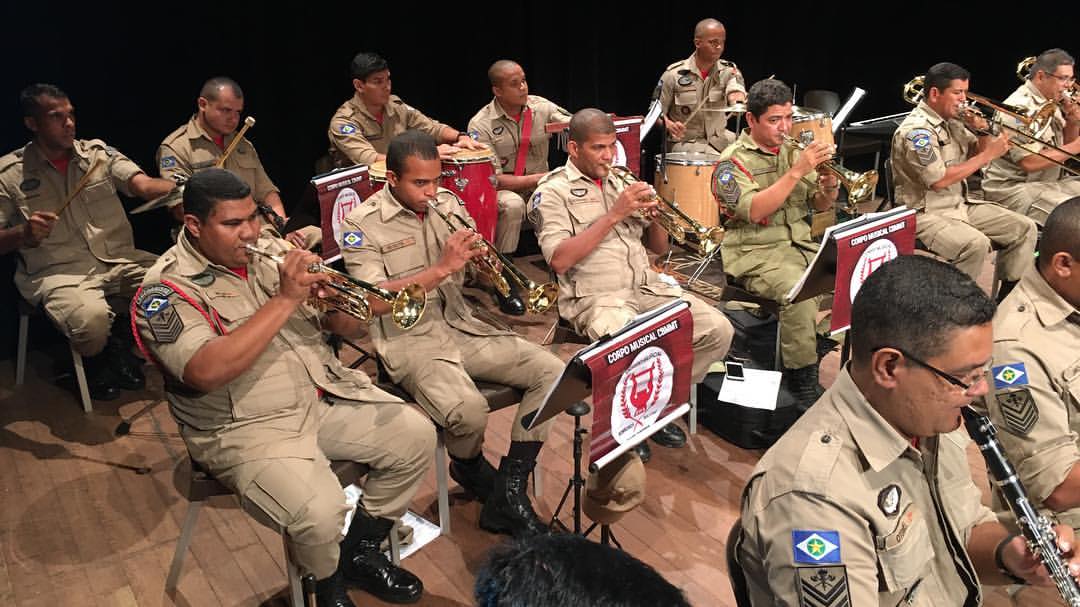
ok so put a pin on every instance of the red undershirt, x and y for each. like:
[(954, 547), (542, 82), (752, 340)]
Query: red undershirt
[(61, 164), (220, 141), (704, 74)]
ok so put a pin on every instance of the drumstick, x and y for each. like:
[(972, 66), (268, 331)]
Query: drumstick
[(79, 186), (248, 123)]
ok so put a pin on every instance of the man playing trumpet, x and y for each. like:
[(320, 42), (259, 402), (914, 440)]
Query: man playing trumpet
[(934, 150), (767, 188), (262, 401), (1026, 182), (395, 238)]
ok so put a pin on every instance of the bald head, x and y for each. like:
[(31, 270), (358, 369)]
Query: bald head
[(499, 70), (706, 26), (212, 88), (590, 121)]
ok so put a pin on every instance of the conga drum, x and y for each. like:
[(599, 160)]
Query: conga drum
[(808, 125), (471, 175), (688, 184)]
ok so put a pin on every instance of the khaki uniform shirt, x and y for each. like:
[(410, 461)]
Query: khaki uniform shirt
[(1005, 171), (356, 137), (384, 241), (842, 505), (681, 90), (93, 229), (744, 170), (566, 203), (1038, 412), (492, 126), (189, 149), (269, 410), (923, 147)]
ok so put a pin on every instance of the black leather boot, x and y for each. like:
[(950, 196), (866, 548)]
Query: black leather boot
[(475, 475), (100, 380), (803, 385), (330, 592), (669, 436), (508, 509), (366, 567), (125, 368), (644, 451), (511, 304)]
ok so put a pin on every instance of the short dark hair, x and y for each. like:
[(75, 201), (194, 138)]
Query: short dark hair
[(765, 94), (212, 88), (366, 64), (28, 97), (1061, 232), (208, 187), (497, 68), (555, 570), (410, 143), (913, 303), (941, 75), (588, 121), (1049, 60)]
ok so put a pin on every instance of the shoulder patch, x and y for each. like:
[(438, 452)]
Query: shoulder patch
[(724, 185), (815, 546), (889, 500), (168, 162), (161, 316), (1009, 375), (823, 586), (1018, 410), (579, 192), (346, 129), (535, 202), (922, 143), (352, 240), (684, 80)]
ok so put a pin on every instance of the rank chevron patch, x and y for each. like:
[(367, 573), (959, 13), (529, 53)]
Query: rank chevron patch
[(823, 586), (1019, 410)]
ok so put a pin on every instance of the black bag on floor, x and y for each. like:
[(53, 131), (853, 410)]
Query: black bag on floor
[(744, 427)]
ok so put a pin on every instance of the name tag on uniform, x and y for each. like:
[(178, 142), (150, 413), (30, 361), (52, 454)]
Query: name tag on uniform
[(764, 171), (400, 244), (897, 536)]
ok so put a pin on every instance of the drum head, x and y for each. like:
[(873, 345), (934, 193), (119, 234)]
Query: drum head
[(689, 158), (471, 156)]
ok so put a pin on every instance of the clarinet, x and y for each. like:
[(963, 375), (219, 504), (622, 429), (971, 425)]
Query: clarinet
[(1037, 529)]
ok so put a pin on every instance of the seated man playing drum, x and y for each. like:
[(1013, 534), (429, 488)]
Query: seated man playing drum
[(767, 188)]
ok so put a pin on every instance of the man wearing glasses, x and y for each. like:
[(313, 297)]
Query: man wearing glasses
[(1022, 180), (868, 498), (1036, 378)]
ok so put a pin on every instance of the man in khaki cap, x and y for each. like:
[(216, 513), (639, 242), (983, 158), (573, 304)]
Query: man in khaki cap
[(513, 126), (596, 234), (933, 152), (71, 260), (768, 189), (693, 89), (1036, 401), (262, 401), (868, 499), (395, 239), (1026, 182)]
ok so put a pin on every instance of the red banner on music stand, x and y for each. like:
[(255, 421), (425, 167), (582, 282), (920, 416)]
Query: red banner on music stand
[(627, 140), (339, 192), (640, 380), (862, 250)]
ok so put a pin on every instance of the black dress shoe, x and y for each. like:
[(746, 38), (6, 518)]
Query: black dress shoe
[(366, 567), (128, 377), (331, 592), (644, 451), (511, 304), (102, 390), (476, 475), (670, 436)]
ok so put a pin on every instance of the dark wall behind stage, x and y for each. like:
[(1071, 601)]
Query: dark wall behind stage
[(133, 71)]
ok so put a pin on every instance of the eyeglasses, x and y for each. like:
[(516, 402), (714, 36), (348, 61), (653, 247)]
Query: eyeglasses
[(965, 384), (1063, 79)]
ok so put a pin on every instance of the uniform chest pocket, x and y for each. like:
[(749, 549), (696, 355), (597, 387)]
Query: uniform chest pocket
[(905, 551), (716, 94), (232, 309), (403, 262), (585, 212), (686, 97), (102, 203)]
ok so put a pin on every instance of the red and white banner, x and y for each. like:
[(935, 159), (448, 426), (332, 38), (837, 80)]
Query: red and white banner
[(339, 192), (640, 381), (861, 251)]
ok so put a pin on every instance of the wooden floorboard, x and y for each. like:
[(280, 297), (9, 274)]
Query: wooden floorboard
[(78, 529)]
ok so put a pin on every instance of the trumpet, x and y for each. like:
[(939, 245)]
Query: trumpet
[(674, 220), (860, 186), (1034, 121), (407, 305), (490, 264)]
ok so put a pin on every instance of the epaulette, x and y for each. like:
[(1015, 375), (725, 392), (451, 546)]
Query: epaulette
[(551, 174)]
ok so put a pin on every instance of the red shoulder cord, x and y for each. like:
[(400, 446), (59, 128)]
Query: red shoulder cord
[(214, 320)]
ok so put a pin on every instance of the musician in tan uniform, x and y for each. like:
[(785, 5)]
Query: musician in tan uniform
[(868, 499), (394, 240), (263, 403), (593, 235), (768, 189), (1036, 401), (1026, 182), (200, 143), (72, 261), (932, 154), (693, 89)]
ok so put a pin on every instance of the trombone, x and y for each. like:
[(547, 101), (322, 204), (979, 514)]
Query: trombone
[(1023, 70), (1035, 120), (407, 305), (860, 186), (541, 297), (674, 220)]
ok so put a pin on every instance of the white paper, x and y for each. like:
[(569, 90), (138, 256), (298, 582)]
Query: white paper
[(758, 389)]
